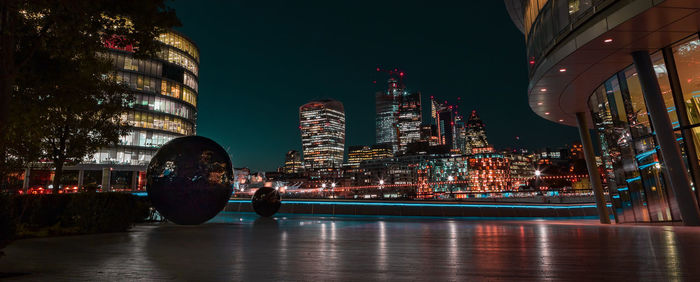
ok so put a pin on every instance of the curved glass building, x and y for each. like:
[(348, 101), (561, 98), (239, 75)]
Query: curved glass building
[(630, 70), (165, 107)]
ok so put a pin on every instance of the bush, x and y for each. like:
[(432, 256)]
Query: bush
[(81, 213), (7, 226)]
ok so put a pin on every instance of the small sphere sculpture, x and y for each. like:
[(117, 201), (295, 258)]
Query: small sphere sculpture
[(189, 180), (266, 201)]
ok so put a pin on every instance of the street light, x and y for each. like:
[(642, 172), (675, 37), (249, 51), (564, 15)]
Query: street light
[(450, 178), (323, 185), (333, 185), (538, 173)]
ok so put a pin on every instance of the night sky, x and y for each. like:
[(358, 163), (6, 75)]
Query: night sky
[(261, 60)]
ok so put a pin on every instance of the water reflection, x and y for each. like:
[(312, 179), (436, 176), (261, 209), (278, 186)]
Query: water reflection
[(368, 248)]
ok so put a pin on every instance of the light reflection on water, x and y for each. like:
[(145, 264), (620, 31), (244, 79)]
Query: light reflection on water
[(243, 246)]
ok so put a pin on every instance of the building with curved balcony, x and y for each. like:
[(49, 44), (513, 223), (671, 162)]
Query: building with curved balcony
[(165, 107), (630, 70)]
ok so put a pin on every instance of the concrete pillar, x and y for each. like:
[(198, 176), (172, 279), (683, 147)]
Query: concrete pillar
[(134, 180), (674, 167), (106, 179), (25, 183), (593, 172), (81, 178)]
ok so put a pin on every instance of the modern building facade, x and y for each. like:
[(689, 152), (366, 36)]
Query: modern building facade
[(292, 162), (443, 177), (631, 67), (387, 112), (358, 154), (489, 172), (322, 125), (165, 108), (475, 132), (409, 119), (398, 115)]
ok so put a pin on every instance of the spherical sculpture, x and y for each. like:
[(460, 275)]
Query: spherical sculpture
[(189, 180), (266, 201)]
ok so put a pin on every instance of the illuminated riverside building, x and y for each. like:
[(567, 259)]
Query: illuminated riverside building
[(448, 176), (520, 168), (623, 68), (165, 108), (322, 125), (358, 154), (489, 172)]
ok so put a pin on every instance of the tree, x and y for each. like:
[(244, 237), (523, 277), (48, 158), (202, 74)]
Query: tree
[(79, 107), (70, 34)]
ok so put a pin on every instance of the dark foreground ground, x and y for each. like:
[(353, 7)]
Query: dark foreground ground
[(239, 246)]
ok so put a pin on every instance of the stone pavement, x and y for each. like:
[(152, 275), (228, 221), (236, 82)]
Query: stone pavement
[(240, 246)]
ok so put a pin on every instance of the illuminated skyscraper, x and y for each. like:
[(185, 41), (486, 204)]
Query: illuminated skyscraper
[(461, 145), (409, 119), (387, 108), (475, 132), (322, 125), (398, 112)]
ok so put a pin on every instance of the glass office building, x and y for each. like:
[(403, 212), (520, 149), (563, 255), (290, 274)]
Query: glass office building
[(322, 125), (165, 107), (630, 70)]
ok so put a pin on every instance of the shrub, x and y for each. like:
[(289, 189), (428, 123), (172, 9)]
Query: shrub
[(7, 226), (81, 213)]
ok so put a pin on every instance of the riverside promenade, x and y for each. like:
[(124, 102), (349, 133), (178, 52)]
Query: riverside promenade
[(241, 246)]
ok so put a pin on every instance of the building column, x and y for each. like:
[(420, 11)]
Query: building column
[(593, 172), (106, 179), (25, 183), (674, 167), (81, 178), (134, 180)]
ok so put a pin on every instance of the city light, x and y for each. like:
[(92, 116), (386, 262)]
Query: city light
[(538, 173)]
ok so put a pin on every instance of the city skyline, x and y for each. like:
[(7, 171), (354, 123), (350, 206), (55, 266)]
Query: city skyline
[(250, 97)]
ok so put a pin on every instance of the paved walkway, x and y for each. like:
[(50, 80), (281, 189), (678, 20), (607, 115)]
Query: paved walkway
[(242, 247)]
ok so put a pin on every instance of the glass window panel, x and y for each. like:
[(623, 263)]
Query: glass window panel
[(638, 116), (687, 57)]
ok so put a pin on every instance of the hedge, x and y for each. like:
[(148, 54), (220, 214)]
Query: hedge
[(7, 226), (81, 213)]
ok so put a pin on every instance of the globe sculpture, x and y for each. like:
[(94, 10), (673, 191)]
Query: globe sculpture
[(189, 180), (266, 201)]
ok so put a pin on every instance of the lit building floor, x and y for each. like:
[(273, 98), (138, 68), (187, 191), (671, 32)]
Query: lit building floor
[(239, 246)]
